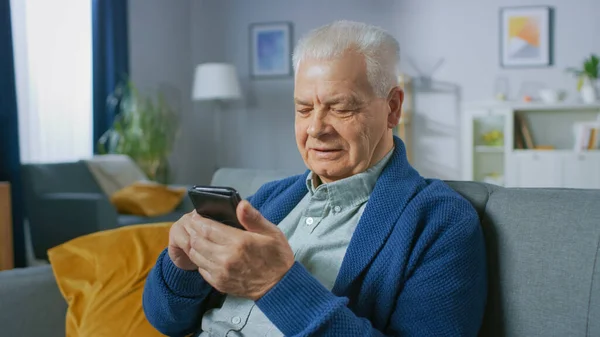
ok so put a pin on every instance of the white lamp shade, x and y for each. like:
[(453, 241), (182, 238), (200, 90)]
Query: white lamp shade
[(216, 81)]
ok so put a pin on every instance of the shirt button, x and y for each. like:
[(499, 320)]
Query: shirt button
[(236, 320), (309, 221), (337, 209)]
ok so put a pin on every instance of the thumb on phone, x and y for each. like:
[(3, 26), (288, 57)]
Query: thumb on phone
[(252, 220)]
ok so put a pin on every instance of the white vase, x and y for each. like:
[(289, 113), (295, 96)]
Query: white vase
[(589, 92)]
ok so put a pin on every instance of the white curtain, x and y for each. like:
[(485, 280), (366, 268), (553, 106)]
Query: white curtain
[(53, 65)]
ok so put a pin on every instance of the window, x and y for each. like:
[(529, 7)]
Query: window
[(53, 65)]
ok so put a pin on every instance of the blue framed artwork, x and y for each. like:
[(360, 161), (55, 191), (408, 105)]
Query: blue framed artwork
[(271, 49)]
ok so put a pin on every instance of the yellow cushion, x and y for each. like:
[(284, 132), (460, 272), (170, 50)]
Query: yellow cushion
[(147, 199), (102, 276)]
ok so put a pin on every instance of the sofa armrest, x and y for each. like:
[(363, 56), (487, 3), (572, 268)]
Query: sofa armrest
[(60, 217), (31, 303)]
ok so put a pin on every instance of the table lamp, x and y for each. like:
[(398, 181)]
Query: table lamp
[(218, 83)]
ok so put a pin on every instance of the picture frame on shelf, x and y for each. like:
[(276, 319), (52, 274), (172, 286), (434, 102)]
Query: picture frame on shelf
[(526, 36), (271, 49)]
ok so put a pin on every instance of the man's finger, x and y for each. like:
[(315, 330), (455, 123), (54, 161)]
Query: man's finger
[(211, 230), (181, 238), (201, 260), (207, 276), (208, 249), (252, 220)]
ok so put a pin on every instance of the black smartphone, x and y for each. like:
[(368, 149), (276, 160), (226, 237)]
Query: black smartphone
[(217, 203)]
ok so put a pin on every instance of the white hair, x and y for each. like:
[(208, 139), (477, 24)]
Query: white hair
[(380, 50)]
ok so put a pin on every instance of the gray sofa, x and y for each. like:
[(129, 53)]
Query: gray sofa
[(543, 256), (64, 201)]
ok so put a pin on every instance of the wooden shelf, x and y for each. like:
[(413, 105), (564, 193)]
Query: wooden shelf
[(489, 149), (6, 237)]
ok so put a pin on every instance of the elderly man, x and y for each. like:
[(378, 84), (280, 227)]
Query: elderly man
[(359, 245)]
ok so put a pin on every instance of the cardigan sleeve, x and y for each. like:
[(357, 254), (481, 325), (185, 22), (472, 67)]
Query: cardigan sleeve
[(173, 297), (444, 295)]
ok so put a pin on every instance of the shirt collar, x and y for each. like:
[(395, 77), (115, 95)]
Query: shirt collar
[(350, 191)]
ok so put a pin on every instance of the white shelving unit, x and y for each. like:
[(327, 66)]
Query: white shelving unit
[(498, 161)]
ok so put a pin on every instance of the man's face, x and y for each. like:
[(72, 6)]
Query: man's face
[(341, 127)]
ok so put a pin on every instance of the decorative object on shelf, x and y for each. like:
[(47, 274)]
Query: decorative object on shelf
[(526, 36), (551, 96), (587, 78), (271, 49), (145, 129), (529, 89), (587, 135), (217, 83), (493, 138)]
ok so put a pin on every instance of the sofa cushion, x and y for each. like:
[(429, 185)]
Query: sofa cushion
[(147, 199), (114, 171), (102, 277)]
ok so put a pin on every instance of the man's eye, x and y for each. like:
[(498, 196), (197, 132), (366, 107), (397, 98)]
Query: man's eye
[(304, 110), (343, 111)]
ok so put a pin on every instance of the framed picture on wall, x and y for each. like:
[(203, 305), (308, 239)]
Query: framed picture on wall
[(270, 49), (526, 36)]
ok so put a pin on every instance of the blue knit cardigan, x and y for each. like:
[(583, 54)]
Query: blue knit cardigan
[(415, 266)]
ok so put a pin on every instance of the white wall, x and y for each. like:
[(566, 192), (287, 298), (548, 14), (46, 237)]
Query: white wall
[(259, 132), (466, 34), (160, 52)]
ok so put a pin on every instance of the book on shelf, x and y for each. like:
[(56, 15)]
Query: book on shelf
[(522, 132), (587, 135)]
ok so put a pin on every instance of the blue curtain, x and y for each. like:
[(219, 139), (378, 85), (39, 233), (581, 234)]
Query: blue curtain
[(10, 162), (110, 49)]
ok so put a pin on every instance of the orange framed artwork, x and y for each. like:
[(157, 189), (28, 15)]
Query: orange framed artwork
[(526, 36)]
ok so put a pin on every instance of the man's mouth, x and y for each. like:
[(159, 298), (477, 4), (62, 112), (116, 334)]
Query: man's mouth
[(326, 153), (326, 150)]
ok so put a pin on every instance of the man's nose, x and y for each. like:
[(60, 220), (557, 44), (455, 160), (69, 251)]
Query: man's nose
[(318, 124)]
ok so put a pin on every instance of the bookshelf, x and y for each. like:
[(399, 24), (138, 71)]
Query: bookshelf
[(531, 144)]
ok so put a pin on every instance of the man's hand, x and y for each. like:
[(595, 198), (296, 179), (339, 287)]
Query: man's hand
[(236, 262), (179, 242)]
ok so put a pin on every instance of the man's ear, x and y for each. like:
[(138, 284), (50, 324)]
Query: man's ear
[(394, 101)]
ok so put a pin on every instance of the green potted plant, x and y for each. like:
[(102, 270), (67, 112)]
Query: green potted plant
[(587, 78), (144, 128)]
